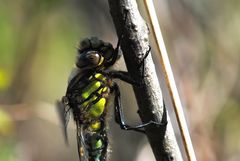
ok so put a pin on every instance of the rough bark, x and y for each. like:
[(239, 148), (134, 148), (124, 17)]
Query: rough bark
[(134, 45)]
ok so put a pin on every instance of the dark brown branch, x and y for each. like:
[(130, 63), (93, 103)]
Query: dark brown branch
[(134, 45)]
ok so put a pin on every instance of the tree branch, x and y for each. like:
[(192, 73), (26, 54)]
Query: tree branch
[(134, 45)]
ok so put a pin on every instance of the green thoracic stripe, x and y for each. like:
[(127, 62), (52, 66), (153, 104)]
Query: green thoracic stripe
[(95, 103), (90, 89)]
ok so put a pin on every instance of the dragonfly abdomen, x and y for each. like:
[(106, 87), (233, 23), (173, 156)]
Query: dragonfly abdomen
[(93, 111), (97, 141)]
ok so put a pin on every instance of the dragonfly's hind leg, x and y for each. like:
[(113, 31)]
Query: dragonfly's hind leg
[(119, 116)]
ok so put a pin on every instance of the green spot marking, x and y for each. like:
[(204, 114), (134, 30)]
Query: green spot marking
[(98, 144), (97, 109)]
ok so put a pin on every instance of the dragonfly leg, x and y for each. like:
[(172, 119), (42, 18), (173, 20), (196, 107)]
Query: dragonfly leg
[(142, 62), (117, 49), (125, 76), (119, 116)]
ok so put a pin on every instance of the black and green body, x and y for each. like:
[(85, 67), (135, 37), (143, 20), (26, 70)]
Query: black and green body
[(87, 97)]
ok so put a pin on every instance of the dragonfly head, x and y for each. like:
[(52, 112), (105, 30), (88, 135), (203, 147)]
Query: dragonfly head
[(94, 53)]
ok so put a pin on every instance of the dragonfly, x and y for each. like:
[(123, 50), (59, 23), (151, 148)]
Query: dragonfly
[(87, 99)]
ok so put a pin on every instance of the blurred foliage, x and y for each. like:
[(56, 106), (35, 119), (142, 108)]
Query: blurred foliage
[(37, 52), (6, 151), (6, 123), (4, 79), (6, 131), (227, 126)]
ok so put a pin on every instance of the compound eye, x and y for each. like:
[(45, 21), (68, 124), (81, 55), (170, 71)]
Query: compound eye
[(89, 59), (93, 57)]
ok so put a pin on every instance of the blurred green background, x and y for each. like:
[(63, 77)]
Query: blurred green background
[(38, 42)]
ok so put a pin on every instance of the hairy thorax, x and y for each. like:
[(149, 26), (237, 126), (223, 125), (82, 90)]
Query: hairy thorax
[(91, 96)]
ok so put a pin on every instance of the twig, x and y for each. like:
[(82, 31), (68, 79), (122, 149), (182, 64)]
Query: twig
[(134, 45), (170, 81)]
